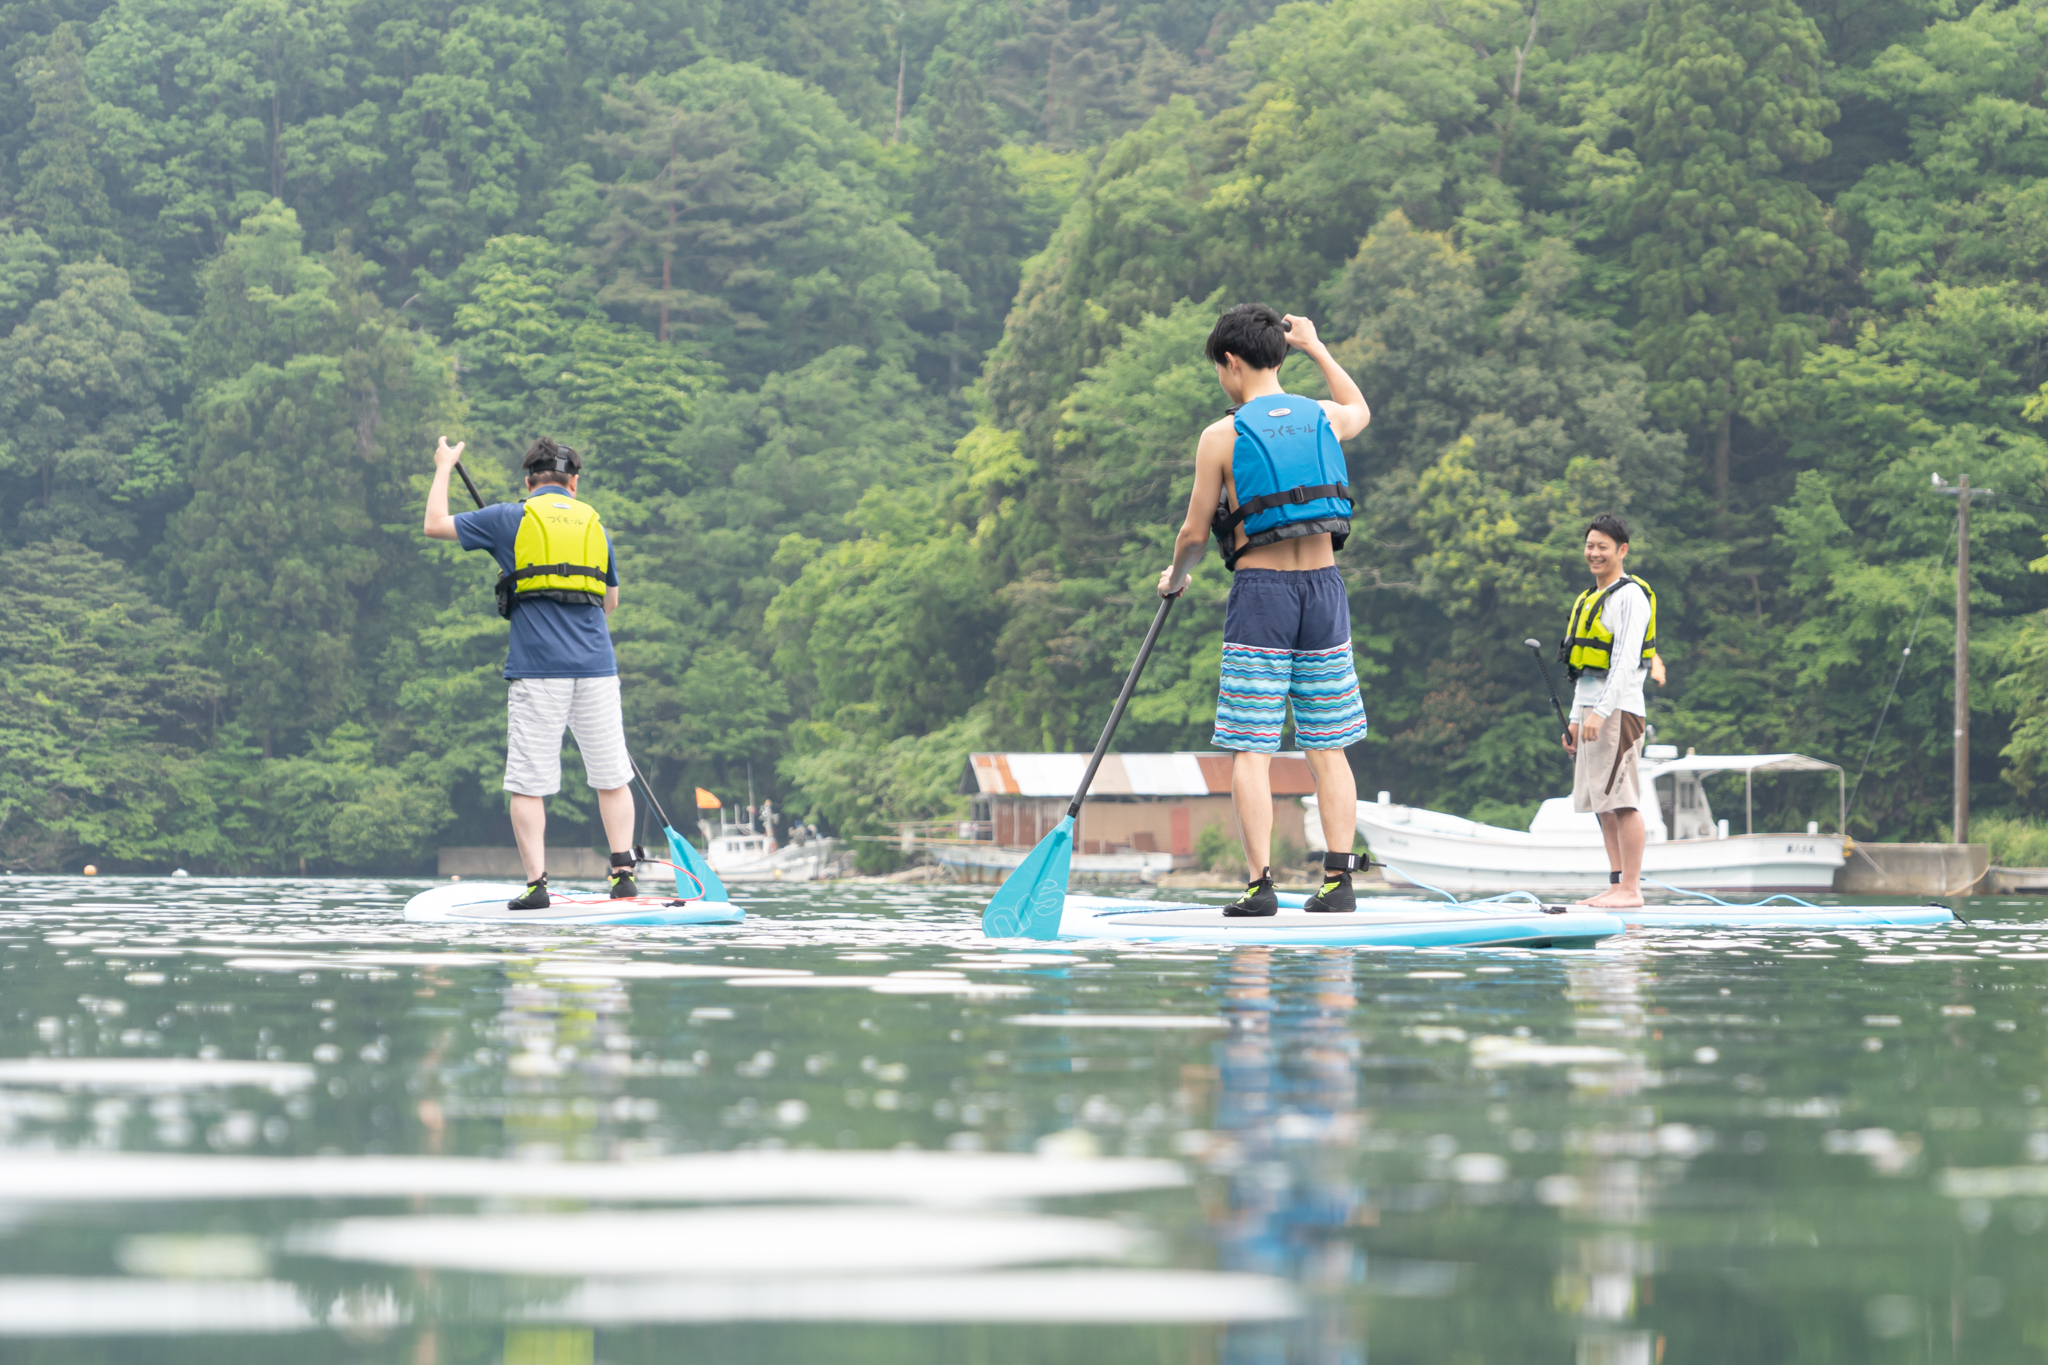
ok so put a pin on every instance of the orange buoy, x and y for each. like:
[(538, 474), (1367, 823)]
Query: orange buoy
[(91, 871)]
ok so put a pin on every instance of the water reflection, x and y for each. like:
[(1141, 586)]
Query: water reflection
[(237, 1110), (1287, 1116)]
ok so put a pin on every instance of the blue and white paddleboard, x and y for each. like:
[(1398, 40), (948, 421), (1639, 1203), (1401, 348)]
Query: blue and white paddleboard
[(1375, 924), (486, 903), (1688, 915)]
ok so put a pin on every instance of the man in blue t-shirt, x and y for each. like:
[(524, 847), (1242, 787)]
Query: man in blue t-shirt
[(562, 672)]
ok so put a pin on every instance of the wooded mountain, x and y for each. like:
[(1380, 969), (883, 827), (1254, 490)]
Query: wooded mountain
[(880, 328)]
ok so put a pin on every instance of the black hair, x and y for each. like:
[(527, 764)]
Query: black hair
[(548, 461), (1253, 333), (1611, 526)]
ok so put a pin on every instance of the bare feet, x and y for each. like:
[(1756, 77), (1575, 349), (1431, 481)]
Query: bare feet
[(1614, 898)]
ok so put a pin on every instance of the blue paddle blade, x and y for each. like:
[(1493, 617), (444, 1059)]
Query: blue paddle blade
[(1029, 902), (685, 855)]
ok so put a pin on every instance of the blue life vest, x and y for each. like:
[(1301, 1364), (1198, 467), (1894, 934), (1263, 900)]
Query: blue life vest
[(1290, 477)]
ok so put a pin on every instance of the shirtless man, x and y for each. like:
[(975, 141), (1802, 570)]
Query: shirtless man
[(1270, 483)]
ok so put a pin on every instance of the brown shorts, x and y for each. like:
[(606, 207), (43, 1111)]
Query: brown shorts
[(1604, 775)]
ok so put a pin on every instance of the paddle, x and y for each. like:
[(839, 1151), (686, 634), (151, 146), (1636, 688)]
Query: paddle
[(1536, 648), (682, 850), (1029, 902)]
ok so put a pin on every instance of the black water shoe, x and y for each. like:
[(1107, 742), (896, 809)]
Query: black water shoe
[(621, 883), (1258, 900), (536, 897), (1336, 896)]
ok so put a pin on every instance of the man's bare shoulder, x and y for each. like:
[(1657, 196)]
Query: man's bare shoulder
[(1220, 434)]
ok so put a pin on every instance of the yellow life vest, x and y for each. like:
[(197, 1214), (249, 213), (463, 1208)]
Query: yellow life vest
[(1589, 644), (560, 553)]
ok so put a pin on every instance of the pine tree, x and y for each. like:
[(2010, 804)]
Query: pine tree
[(61, 192), (969, 209), (697, 216), (1718, 229)]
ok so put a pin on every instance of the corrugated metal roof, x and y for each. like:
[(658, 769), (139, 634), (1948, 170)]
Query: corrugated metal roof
[(1162, 775)]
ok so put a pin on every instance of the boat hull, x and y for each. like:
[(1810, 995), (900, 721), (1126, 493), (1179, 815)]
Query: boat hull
[(485, 903), (1494, 859), (811, 862), (1382, 924), (992, 865)]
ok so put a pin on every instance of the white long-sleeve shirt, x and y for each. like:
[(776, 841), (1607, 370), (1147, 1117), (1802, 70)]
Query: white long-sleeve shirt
[(1626, 614)]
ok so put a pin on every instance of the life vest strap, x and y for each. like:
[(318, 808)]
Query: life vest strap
[(557, 570), (1292, 497)]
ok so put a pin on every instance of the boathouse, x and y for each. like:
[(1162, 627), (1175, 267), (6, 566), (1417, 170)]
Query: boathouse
[(1139, 803)]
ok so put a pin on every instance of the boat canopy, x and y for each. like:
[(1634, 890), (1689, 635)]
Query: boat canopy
[(1749, 765)]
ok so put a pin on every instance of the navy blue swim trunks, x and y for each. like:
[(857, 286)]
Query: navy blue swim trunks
[(1287, 636)]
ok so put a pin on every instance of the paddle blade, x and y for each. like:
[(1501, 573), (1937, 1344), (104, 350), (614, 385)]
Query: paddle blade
[(685, 854), (1029, 902)]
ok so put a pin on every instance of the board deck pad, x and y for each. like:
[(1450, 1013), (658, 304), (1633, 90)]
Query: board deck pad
[(486, 903)]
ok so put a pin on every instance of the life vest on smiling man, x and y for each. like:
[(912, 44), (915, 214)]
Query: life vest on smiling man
[(1589, 644), (560, 553), (1289, 474)]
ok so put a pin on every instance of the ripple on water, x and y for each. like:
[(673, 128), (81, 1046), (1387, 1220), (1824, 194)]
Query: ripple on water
[(632, 1128)]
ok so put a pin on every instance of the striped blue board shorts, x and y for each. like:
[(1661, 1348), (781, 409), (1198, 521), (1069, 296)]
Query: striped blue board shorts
[(1287, 637)]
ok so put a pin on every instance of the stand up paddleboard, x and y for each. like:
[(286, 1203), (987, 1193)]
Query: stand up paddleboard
[(485, 903), (1375, 924), (1764, 915)]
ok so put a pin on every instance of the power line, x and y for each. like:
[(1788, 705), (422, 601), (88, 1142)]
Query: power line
[(1899, 673)]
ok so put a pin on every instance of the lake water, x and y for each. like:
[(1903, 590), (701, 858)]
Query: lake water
[(240, 1119)]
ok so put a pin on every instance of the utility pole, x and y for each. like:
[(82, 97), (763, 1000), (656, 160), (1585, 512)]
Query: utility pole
[(1962, 493), (1962, 811)]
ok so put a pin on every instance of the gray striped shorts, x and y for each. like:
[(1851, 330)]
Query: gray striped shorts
[(537, 710)]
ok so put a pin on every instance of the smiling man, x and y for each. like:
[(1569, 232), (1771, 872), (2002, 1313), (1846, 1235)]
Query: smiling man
[(1610, 641)]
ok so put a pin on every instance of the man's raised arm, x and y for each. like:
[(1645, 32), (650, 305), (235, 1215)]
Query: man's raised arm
[(439, 525), (1346, 405)]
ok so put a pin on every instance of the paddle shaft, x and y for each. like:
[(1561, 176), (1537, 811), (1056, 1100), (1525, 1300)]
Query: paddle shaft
[(470, 484), (1551, 688), (659, 813), (1123, 699)]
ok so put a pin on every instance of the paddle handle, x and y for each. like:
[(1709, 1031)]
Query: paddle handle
[(1123, 699), (470, 484)]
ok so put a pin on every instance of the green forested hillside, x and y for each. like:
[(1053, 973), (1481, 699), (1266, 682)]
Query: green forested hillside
[(880, 328)]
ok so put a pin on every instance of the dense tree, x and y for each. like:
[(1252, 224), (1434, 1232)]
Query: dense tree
[(1719, 228), (307, 394), (110, 701), (84, 446), (61, 190), (880, 329)]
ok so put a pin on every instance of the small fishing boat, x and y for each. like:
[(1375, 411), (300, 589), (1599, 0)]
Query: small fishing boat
[(1561, 851), (746, 851)]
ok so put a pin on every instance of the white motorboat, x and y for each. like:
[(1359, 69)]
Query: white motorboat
[(980, 862), (748, 853), (1562, 849)]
